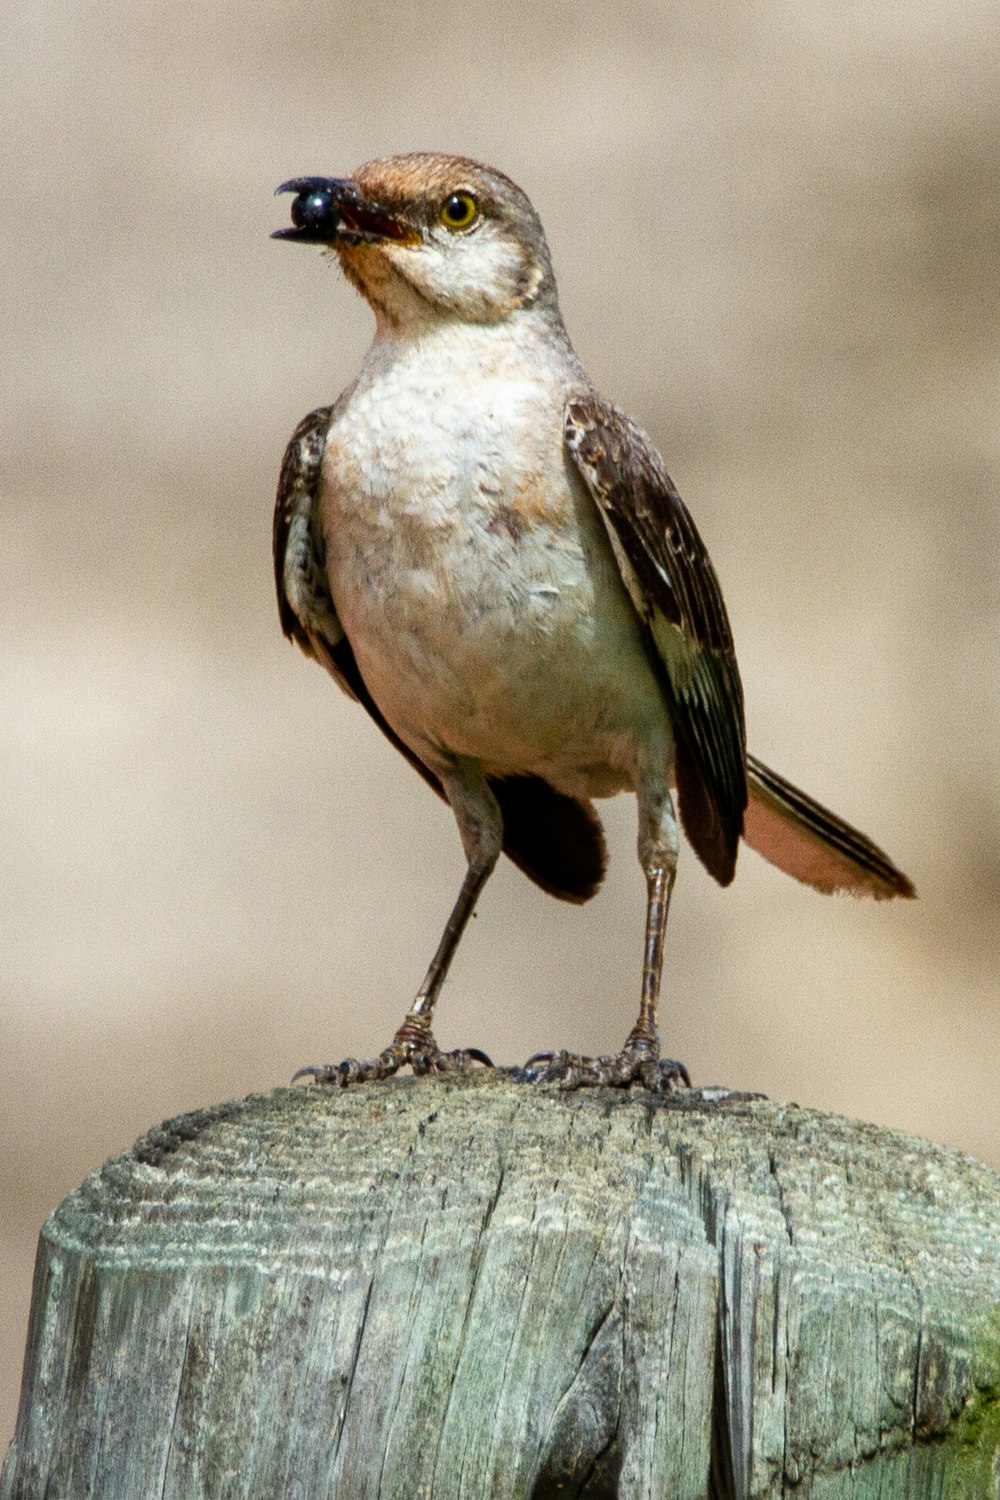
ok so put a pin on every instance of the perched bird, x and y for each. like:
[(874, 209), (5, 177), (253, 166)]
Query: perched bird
[(493, 560)]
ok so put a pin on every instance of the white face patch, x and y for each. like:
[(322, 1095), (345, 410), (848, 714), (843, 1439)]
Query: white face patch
[(481, 275)]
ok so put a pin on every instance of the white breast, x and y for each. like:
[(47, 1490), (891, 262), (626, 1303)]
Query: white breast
[(472, 573)]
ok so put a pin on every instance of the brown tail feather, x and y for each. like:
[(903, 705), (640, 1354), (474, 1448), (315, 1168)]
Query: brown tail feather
[(557, 841), (804, 839)]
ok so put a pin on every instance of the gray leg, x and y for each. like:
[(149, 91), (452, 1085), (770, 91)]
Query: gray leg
[(481, 829), (658, 848), (639, 1060), (658, 843)]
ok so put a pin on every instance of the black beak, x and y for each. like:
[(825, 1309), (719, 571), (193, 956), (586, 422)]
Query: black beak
[(329, 210)]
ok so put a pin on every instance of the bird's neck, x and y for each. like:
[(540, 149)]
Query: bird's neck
[(528, 336)]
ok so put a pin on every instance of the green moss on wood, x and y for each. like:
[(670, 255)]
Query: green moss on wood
[(977, 1432)]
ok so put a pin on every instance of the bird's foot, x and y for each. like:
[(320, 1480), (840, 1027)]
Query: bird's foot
[(638, 1062), (413, 1046)]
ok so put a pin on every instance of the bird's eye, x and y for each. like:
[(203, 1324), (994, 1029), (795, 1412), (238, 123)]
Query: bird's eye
[(459, 211)]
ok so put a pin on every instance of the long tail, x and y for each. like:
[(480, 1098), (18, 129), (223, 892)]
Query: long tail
[(796, 834)]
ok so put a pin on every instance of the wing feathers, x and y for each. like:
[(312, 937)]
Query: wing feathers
[(667, 571), (671, 581), (299, 576)]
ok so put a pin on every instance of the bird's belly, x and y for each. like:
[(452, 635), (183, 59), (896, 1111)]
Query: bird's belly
[(509, 641)]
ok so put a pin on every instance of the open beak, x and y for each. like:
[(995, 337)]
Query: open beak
[(330, 211)]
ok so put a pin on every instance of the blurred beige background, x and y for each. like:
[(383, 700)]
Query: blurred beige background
[(776, 232)]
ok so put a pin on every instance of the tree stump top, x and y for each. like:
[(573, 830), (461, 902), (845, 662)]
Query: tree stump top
[(463, 1287)]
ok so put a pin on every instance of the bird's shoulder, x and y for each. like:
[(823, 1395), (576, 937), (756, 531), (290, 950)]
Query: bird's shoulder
[(655, 537)]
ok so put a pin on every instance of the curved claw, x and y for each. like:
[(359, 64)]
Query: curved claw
[(474, 1055), (558, 1059), (349, 1070), (429, 1060), (677, 1067), (544, 1067), (315, 1071)]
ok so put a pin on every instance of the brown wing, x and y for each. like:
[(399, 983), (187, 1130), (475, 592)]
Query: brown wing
[(556, 840), (305, 607), (295, 499), (673, 586)]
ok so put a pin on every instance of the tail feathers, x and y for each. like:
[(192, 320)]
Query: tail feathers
[(805, 840), (557, 841)]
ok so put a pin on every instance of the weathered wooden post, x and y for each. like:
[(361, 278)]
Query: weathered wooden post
[(473, 1289)]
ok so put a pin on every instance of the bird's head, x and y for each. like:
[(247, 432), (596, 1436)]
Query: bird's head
[(425, 237)]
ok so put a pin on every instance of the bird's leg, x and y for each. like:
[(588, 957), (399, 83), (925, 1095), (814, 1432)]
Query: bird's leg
[(415, 1036), (639, 1060), (481, 828)]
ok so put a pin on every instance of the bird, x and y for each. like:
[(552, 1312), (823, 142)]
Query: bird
[(494, 562)]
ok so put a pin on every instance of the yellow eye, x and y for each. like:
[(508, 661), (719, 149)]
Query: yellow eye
[(459, 211)]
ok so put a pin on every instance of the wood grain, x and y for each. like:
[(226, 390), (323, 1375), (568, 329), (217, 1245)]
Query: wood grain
[(466, 1288)]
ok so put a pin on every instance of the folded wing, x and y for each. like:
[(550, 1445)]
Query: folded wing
[(671, 581)]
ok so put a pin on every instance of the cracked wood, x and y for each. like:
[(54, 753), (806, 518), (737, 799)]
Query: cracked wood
[(462, 1288)]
